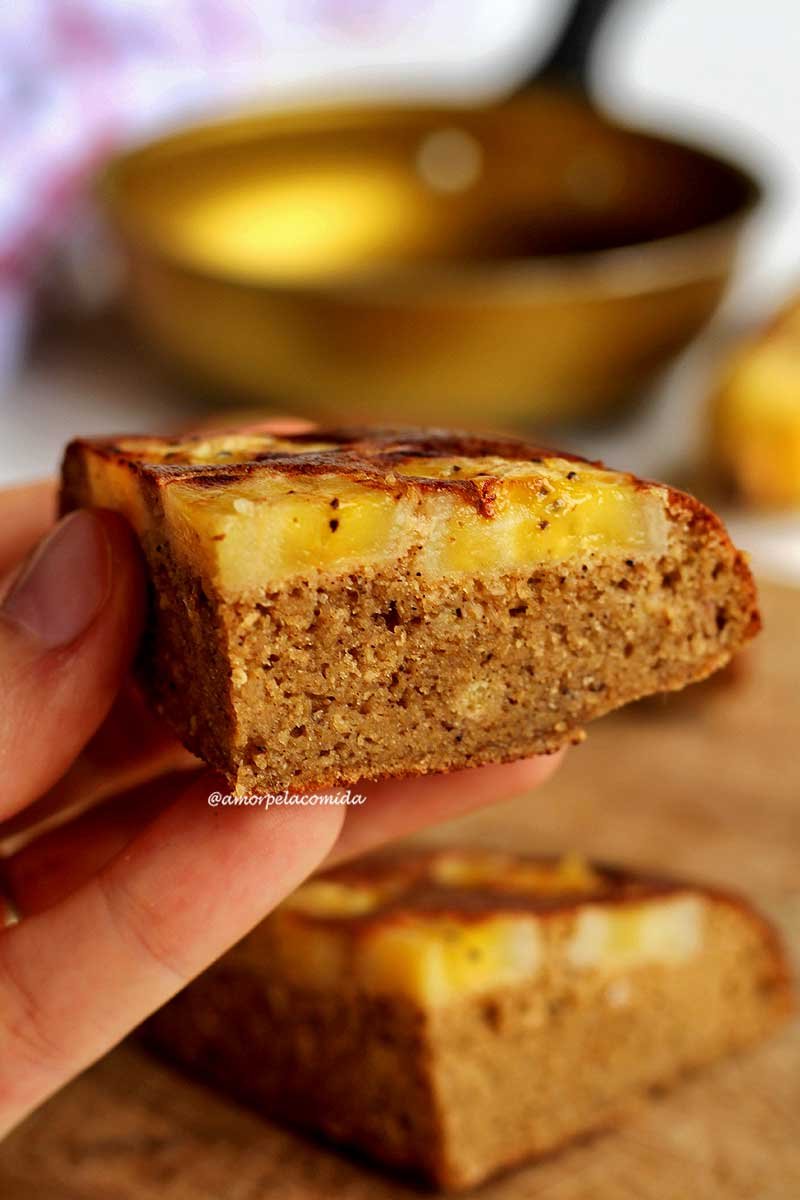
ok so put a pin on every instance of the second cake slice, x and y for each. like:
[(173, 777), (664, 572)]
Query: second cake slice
[(331, 607), (456, 1011)]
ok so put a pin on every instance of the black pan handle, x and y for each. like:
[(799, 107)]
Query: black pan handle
[(568, 64)]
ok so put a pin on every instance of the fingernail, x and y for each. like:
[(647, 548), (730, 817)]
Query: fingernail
[(65, 583)]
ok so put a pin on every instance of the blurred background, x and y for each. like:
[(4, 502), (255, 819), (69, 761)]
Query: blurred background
[(406, 210), (428, 211)]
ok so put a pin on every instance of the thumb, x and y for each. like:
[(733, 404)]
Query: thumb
[(68, 631)]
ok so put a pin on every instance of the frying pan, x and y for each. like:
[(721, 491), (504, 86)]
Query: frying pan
[(507, 265)]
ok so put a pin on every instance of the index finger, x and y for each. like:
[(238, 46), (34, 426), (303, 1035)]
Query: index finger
[(77, 977)]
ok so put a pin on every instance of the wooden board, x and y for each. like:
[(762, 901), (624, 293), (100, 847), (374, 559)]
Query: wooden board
[(706, 783)]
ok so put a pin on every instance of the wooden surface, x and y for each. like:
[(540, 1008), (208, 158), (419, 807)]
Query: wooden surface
[(706, 783)]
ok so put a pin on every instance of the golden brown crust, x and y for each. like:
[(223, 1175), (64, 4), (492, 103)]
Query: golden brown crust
[(416, 890), (704, 523), (362, 455)]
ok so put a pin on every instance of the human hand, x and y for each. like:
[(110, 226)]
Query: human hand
[(126, 882)]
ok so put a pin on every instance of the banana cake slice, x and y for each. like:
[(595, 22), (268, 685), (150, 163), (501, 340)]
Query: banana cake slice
[(336, 606), (453, 1012)]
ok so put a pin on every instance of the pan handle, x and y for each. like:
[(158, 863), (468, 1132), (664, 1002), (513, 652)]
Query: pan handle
[(568, 63)]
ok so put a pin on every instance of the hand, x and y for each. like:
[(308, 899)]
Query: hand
[(126, 882)]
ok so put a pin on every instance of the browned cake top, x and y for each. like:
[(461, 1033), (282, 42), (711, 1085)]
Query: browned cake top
[(440, 924), (354, 448), (250, 508), (468, 884), (390, 458)]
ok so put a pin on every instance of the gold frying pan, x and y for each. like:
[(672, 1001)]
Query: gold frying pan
[(504, 265)]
